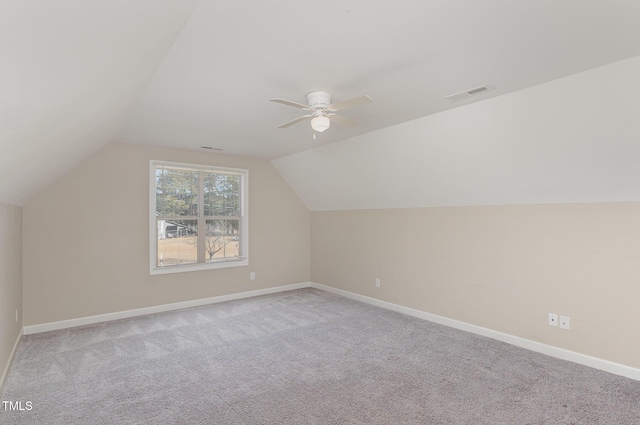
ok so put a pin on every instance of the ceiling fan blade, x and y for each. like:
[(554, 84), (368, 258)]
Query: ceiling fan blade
[(290, 103), (297, 120), (362, 100), (341, 120)]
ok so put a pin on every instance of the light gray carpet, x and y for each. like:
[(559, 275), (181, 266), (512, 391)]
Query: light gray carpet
[(301, 357)]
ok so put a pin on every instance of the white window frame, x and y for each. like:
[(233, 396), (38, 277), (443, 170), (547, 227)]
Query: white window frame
[(243, 260)]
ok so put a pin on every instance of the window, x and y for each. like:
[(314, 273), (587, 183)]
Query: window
[(198, 217)]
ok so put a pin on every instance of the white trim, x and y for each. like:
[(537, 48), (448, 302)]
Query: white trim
[(89, 320), (201, 266), (357, 297), (560, 353), (153, 224), (6, 368), (243, 219)]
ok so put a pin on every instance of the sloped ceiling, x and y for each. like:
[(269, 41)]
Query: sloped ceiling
[(75, 75), (571, 140), (70, 71), (233, 56)]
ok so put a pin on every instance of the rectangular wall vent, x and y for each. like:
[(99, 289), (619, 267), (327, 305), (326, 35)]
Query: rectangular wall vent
[(468, 93)]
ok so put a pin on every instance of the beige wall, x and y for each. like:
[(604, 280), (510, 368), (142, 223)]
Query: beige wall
[(502, 268), (86, 238), (10, 279)]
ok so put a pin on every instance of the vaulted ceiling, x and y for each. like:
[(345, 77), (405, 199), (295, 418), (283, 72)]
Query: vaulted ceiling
[(76, 75)]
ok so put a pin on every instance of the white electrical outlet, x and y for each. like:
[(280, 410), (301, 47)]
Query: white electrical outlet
[(377, 283), (565, 322), (553, 319), (252, 275)]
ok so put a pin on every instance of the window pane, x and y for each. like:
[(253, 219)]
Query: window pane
[(222, 239), (177, 242), (221, 194), (176, 192)]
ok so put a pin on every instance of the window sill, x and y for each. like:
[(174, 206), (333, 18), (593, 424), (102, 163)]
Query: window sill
[(199, 267)]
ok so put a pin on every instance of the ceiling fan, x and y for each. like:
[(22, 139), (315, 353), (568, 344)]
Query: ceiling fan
[(322, 110)]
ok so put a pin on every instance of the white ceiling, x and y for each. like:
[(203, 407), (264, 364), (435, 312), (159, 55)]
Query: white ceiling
[(70, 71), (233, 56), (571, 140), (75, 75)]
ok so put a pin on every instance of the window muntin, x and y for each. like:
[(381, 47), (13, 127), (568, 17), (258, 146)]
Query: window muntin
[(199, 217)]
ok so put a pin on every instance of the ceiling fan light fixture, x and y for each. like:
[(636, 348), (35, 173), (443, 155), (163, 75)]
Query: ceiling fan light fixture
[(320, 123), (322, 111)]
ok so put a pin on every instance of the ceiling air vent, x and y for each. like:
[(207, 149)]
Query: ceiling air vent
[(468, 93)]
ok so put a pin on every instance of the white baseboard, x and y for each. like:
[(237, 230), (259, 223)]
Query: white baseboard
[(357, 297), (89, 320), (561, 353), (6, 367)]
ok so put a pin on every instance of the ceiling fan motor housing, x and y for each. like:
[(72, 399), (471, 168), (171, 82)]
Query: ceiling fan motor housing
[(318, 99)]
